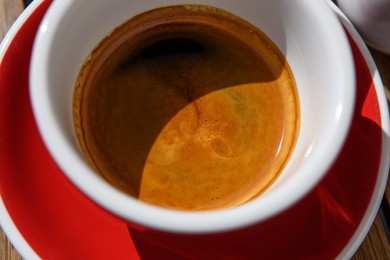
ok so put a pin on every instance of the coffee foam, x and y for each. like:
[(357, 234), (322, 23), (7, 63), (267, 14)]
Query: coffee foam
[(206, 124)]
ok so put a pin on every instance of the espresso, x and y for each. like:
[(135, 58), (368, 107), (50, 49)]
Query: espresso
[(187, 107)]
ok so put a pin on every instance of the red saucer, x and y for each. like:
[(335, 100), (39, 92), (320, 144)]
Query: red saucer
[(57, 221)]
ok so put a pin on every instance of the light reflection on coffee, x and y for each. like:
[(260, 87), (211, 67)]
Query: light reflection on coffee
[(187, 107)]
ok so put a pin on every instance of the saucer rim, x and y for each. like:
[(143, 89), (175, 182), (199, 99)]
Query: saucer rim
[(13, 234), (380, 186), (27, 252), (6, 222)]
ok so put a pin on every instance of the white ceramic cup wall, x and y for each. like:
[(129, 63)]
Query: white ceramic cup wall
[(306, 31)]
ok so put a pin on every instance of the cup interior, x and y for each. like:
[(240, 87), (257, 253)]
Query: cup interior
[(306, 32)]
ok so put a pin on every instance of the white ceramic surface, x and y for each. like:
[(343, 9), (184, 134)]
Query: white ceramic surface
[(381, 182), (306, 31), (372, 19)]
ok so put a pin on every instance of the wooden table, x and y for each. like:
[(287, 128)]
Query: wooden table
[(376, 244)]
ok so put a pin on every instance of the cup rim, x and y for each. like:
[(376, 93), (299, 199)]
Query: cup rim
[(143, 214)]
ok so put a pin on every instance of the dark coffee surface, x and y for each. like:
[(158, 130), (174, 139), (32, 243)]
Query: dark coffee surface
[(187, 107)]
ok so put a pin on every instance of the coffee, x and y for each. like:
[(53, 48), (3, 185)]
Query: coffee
[(187, 107)]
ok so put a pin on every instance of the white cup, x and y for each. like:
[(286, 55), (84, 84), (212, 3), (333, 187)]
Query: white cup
[(372, 20), (307, 33)]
